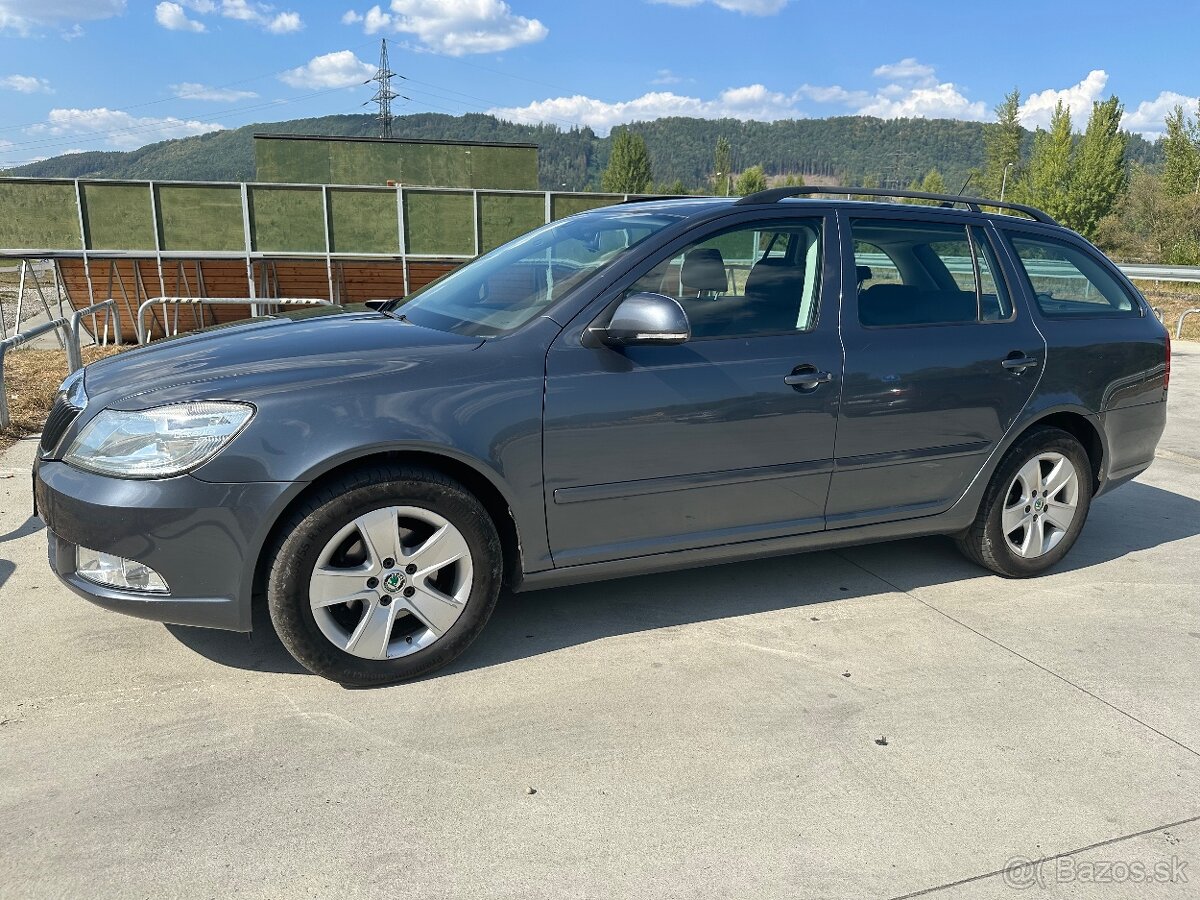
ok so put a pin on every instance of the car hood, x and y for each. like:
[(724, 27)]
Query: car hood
[(248, 360)]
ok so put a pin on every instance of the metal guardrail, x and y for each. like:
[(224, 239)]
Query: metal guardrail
[(111, 314), (58, 325), (254, 303), (1147, 272), (1194, 311)]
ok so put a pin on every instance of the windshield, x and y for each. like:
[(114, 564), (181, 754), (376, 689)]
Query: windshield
[(509, 286)]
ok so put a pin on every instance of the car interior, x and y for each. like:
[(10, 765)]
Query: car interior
[(744, 283), (910, 274)]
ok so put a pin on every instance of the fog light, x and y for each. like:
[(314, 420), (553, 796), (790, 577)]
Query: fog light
[(117, 572)]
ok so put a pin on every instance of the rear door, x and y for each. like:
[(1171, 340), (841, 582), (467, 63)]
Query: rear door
[(649, 449), (939, 363)]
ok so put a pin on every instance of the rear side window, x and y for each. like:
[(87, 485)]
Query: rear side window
[(926, 273), (1068, 282)]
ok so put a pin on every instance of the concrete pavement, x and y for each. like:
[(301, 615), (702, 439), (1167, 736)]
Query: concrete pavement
[(886, 721)]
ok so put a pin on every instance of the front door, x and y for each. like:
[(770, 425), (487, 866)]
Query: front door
[(649, 449), (939, 363)]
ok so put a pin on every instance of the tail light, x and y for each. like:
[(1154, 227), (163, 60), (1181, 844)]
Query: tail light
[(1167, 373)]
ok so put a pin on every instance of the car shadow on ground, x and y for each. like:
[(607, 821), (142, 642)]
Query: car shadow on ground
[(1138, 517)]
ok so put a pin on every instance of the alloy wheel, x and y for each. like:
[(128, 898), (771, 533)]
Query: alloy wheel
[(391, 582), (1040, 505)]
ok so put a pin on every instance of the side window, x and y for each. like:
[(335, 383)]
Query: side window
[(925, 273), (752, 280), (1068, 282)]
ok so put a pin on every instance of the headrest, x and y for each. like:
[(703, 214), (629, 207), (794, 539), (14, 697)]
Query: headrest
[(863, 273), (704, 270)]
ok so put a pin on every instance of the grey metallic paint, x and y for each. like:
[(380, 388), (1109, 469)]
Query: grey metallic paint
[(611, 461)]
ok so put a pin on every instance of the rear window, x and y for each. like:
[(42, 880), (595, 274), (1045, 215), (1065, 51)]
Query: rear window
[(1069, 282)]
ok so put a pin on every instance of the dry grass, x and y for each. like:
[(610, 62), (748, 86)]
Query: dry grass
[(1172, 300), (30, 378)]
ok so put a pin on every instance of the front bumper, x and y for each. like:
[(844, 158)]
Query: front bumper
[(203, 538)]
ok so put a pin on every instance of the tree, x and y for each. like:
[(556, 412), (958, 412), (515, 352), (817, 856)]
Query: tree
[(723, 166), (794, 181), (1002, 146), (1047, 180), (1150, 225), (751, 181), (1098, 174), (1181, 147), (628, 170)]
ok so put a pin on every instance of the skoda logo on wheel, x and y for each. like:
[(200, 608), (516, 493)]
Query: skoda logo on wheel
[(394, 581)]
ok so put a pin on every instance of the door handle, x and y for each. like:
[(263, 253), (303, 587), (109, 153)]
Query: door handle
[(1018, 363), (806, 378)]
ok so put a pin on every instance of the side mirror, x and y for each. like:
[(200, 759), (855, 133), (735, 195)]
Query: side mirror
[(376, 304), (647, 318)]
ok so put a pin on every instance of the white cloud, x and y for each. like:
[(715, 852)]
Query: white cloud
[(746, 7), (750, 102), (26, 84), (666, 76), (913, 91), (23, 16), (285, 23), (119, 128), (190, 90), (1038, 108), (1148, 118), (938, 101), (75, 31), (261, 14), (832, 94), (908, 69), (172, 14), (332, 70), (172, 17), (453, 27)]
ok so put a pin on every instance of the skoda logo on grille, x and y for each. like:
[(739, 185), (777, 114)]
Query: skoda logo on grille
[(394, 581)]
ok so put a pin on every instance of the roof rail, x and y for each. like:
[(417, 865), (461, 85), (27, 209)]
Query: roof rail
[(773, 195)]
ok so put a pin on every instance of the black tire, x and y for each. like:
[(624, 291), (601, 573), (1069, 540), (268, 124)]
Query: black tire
[(984, 542), (328, 509)]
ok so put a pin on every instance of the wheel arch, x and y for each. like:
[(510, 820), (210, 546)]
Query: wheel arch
[(1083, 427), (471, 477)]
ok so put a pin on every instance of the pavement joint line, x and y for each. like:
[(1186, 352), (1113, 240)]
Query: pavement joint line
[(1175, 456), (1021, 655), (1034, 863)]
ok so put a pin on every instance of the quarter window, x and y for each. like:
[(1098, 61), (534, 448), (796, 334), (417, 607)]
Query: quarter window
[(926, 273), (1068, 282), (748, 281)]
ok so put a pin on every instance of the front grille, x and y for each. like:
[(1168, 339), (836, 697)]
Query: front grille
[(62, 414)]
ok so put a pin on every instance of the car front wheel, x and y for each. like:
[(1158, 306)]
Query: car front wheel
[(1035, 506), (384, 575)]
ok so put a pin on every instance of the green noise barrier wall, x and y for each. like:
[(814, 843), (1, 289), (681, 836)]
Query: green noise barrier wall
[(52, 217)]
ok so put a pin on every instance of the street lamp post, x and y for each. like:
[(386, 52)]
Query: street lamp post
[(1004, 180)]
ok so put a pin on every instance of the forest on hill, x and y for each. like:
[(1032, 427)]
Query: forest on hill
[(848, 149)]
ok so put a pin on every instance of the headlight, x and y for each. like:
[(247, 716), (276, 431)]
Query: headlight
[(155, 443)]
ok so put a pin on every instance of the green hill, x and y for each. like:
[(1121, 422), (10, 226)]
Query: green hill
[(848, 148)]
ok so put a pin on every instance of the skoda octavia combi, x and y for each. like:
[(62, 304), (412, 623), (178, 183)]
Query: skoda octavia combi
[(650, 386)]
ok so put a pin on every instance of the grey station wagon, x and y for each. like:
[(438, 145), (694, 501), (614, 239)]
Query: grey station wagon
[(650, 386)]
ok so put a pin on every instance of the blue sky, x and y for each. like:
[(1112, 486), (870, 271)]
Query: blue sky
[(117, 74)]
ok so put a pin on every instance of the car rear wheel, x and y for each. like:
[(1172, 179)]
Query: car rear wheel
[(384, 575), (1034, 508)]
